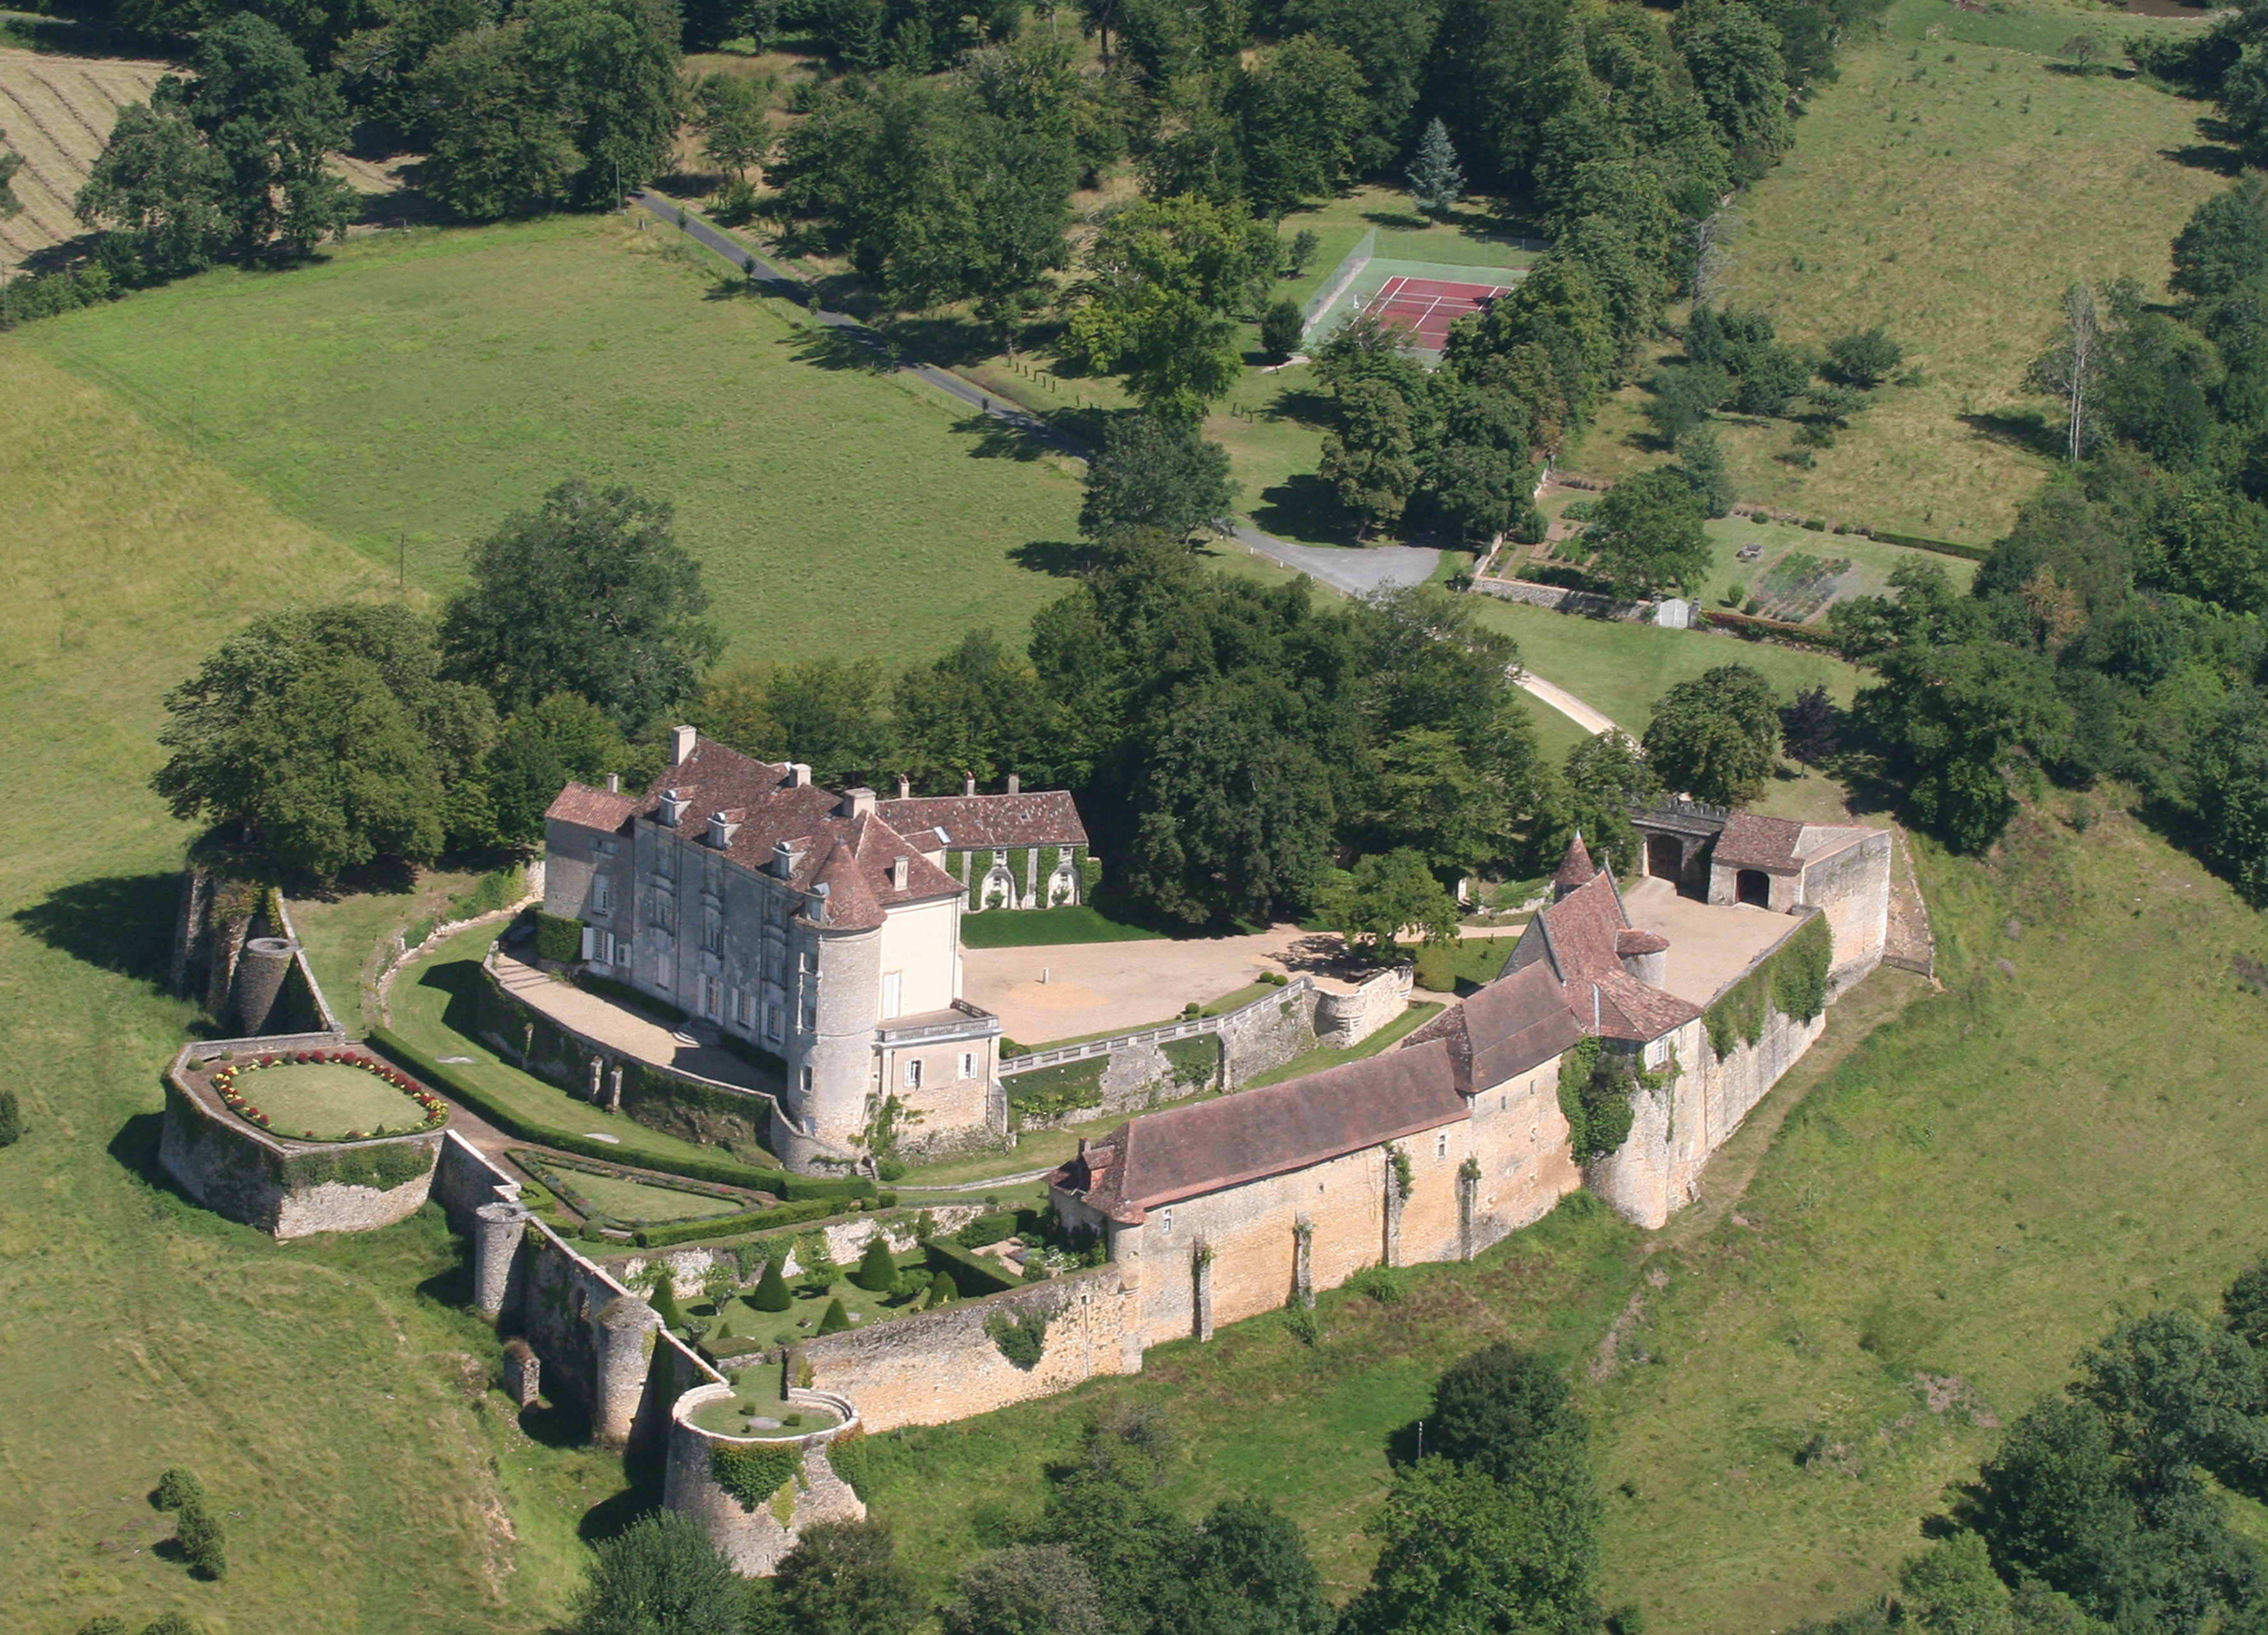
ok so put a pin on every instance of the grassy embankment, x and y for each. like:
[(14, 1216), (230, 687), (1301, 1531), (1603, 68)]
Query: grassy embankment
[(330, 1391), (1933, 189), (412, 389), (2076, 1152)]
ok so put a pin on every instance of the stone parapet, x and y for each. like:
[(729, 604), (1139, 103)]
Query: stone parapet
[(755, 1537)]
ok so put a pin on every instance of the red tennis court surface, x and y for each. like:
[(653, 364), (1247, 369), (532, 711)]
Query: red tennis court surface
[(1428, 306)]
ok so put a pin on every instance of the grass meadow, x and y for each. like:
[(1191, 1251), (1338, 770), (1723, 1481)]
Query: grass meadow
[(1960, 1197), (410, 390), (1948, 185), (328, 1392)]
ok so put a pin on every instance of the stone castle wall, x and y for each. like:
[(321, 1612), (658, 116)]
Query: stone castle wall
[(755, 1539), (943, 1365), (238, 1171), (1854, 889)]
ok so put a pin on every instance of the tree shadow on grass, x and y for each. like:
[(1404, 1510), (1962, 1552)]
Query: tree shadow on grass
[(1303, 406), (2199, 156), (460, 980), (942, 338), (2027, 429), (1058, 559), (122, 922), (827, 346), (611, 1517), (993, 438), (1305, 508)]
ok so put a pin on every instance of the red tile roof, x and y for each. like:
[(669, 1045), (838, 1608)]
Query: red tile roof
[(591, 808), (1749, 841), (769, 807), (1161, 1158), (1516, 1023), (1046, 817), (1581, 935), (1576, 867)]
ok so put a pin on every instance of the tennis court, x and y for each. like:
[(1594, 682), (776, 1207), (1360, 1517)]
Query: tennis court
[(1427, 307), (1422, 298)]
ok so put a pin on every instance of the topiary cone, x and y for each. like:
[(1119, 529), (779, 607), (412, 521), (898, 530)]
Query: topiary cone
[(771, 1289), (942, 1291), (877, 1272), (836, 1319)]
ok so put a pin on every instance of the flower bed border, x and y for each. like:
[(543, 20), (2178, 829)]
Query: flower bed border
[(222, 1080)]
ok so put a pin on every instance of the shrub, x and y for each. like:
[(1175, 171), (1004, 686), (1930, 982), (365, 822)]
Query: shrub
[(1280, 330), (558, 938), (108, 1626), (204, 1545), (164, 1624), (1021, 1337), (1865, 358), (941, 1292), (665, 1563), (752, 1475), (11, 1119), (889, 1169), (988, 1228), (771, 1289), (664, 1299), (1378, 1282), (836, 1319), (178, 1490), (877, 1272), (1302, 1325)]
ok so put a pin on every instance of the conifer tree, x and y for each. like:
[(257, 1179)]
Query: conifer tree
[(836, 1319), (1437, 182), (664, 1299), (877, 1272), (771, 1289), (941, 1292)]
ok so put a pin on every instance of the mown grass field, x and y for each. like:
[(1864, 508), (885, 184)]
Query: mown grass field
[(326, 1390), (1948, 187), (411, 390)]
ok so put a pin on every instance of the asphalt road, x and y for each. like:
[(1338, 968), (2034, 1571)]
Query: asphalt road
[(1355, 572)]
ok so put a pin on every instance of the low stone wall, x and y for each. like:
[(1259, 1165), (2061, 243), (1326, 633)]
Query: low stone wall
[(753, 1539), (1588, 603), (943, 1365), (1344, 1020), (243, 1173)]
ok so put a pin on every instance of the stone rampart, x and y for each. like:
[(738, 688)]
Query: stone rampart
[(1346, 1019), (754, 1537), (241, 1172), (945, 1365)]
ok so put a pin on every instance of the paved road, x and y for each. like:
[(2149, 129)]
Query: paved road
[(1357, 572), (1565, 703)]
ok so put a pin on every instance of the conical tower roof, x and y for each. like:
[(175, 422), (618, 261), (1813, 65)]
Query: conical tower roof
[(1575, 869)]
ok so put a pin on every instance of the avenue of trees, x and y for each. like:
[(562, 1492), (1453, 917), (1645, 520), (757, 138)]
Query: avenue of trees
[(2116, 633)]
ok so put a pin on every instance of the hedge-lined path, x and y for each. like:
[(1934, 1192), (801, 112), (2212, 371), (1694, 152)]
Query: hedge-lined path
[(619, 1027)]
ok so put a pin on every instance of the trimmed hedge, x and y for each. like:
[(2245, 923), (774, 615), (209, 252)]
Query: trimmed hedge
[(794, 1188), (733, 1225), (1747, 624), (975, 1234), (558, 938), (974, 1276)]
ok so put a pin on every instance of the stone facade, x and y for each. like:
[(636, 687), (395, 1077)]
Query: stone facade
[(944, 1364), (806, 923)]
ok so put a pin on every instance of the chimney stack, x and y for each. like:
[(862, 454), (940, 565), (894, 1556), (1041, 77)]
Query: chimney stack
[(968, 783), (858, 803), (900, 867), (798, 775), (681, 740), (905, 787), (614, 783), (1014, 782)]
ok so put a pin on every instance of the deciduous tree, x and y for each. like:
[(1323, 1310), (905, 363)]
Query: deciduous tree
[(1154, 473), (1648, 535), (1716, 738), (662, 1575)]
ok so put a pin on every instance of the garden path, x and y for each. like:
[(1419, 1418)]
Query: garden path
[(619, 1027)]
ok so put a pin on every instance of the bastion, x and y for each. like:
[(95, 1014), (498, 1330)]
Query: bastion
[(756, 1492), (222, 1145)]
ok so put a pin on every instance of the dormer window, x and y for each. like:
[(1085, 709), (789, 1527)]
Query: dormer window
[(784, 860), (721, 830), (673, 806)]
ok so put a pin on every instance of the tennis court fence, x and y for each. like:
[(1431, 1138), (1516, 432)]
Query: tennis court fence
[(1349, 270)]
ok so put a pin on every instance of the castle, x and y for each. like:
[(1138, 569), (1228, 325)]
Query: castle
[(822, 928)]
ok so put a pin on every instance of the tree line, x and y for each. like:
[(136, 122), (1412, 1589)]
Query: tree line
[(2114, 633), (1493, 1529)]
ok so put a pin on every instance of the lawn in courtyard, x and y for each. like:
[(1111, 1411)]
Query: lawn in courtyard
[(327, 1100)]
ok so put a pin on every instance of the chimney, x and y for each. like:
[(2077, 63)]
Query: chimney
[(1014, 782), (900, 867), (672, 807), (798, 775), (681, 740), (858, 803), (968, 783), (905, 787), (614, 783)]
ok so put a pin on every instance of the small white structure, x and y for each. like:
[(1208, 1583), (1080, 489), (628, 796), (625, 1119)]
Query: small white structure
[(1674, 613)]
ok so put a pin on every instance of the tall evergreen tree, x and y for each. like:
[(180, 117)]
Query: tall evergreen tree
[(1437, 182)]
